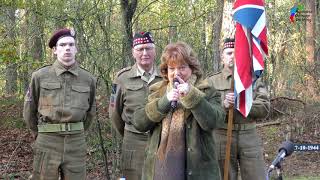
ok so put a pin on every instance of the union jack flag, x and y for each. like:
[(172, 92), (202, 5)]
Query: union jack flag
[(250, 48)]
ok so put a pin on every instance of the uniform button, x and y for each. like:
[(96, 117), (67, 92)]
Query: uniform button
[(189, 149), (190, 173), (189, 126)]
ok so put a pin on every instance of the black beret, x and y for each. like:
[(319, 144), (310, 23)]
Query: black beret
[(142, 38), (228, 43), (59, 34)]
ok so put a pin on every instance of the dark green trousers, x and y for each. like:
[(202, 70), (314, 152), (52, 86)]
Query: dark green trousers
[(246, 154), (57, 152), (133, 155)]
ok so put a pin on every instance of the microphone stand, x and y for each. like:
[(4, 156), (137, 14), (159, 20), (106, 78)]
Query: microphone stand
[(285, 150), (279, 171)]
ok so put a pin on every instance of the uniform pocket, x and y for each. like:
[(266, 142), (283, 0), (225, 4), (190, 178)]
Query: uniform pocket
[(135, 95), (134, 87), (126, 159), (222, 86), (80, 96), (49, 94), (252, 153), (78, 168), (38, 160)]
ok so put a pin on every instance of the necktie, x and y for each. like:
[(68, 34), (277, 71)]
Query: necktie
[(147, 76)]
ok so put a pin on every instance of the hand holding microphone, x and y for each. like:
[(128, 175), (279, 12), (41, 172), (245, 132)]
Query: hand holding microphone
[(183, 87), (173, 95), (180, 89)]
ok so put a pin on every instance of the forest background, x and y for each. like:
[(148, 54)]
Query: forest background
[(104, 31)]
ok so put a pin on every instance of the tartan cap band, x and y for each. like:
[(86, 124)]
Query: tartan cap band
[(142, 38), (228, 43)]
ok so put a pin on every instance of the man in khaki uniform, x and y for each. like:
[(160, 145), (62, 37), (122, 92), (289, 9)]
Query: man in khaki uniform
[(246, 146), (130, 91), (59, 106)]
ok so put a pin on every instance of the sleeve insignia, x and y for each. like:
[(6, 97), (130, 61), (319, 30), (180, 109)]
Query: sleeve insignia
[(28, 97), (114, 88), (112, 101)]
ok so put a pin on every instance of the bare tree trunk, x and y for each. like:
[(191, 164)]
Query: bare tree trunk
[(172, 31), (203, 52), (318, 35), (216, 34), (34, 41), (310, 46), (37, 31), (172, 36), (11, 70), (104, 21), (310, 31), (128, 9), (269, 70)]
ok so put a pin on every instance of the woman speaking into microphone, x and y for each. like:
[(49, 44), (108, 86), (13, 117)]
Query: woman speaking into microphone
[(181, 146)]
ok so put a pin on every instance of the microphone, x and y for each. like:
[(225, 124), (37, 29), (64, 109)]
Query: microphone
[(286, 149), (174, 103)]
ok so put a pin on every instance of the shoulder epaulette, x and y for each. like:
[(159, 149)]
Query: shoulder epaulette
[(123, 70), (42, 67), (89, 73), (83, 68), (203, 84), (212, 74)]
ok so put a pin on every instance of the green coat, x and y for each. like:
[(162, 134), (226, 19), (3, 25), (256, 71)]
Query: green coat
[(204, 113)]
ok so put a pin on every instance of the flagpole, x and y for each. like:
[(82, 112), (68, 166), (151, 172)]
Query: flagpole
[(244, 29), (229, 133), (230, 116), (229, 137)]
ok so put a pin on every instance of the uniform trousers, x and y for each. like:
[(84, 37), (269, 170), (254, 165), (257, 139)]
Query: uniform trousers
[(133, 154), (246, 153), (64, 153)]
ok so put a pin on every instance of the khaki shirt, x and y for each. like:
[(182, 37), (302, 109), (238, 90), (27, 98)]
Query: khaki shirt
[(260, 106), (57, 95), (129, 91)]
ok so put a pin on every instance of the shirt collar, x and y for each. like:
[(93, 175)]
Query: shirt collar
[(226, 73), (153, 72), (141, 71), (59, 68)]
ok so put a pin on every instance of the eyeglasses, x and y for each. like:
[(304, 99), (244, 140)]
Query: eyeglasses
[(141, 50)]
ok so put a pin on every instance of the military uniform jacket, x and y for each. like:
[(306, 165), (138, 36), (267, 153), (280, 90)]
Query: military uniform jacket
[(203, 114), (57, 95), (260, 106), (129, 91)]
